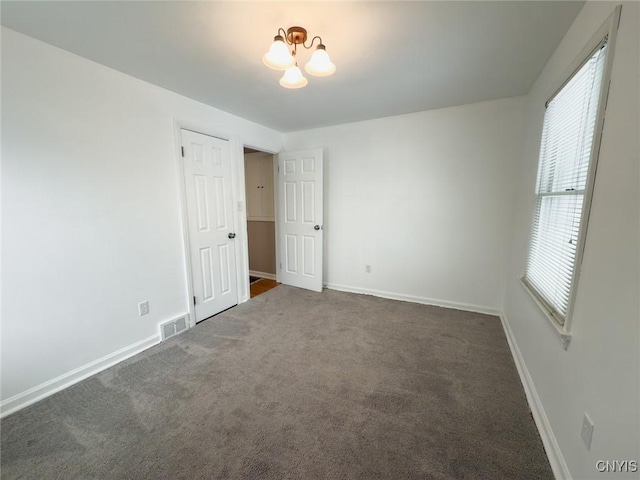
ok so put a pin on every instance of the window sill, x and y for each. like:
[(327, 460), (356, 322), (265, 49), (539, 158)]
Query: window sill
[(559, 330)]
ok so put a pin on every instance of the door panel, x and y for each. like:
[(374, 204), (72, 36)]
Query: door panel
[(206, 268), (207, 177), (300, 218), (200, 183), (291, 255), (225, 269), (290, 201), (308, 256)]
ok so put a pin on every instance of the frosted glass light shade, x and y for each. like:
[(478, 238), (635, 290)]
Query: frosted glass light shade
[(320, 65), (293, 78), (278, 57)]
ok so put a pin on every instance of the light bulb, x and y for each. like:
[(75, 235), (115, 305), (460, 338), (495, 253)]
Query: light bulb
[(320, 65), (293, 78), (278, 56)]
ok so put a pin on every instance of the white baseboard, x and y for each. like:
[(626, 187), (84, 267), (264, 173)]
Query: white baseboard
[(556, 459), (415, 299), (34, 394), (269, 276)]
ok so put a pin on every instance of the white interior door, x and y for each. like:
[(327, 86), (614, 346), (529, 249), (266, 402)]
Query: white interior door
[(300, 228), (207, 176)]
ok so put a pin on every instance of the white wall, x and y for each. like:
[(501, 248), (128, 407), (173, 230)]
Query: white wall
[(425, 199), (91, 219), (91, 222), (600, 372)]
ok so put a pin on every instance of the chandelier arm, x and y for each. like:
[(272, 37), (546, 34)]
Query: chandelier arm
[(283, 33), (312, 40)]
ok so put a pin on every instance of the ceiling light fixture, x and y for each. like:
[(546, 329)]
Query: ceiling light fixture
[(279, 58)]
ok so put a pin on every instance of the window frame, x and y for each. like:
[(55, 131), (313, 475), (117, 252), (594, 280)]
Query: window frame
[(606, 33)]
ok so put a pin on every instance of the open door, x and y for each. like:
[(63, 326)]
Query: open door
[(207, 178), (300, 230)]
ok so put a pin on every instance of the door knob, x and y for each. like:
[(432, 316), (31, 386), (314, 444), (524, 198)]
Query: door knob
[(316, 227), (232, 235)]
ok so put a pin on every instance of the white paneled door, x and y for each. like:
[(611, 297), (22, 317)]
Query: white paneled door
[(207, 177), (300, 219)]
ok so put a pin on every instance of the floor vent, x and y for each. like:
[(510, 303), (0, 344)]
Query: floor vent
[(174, 327)]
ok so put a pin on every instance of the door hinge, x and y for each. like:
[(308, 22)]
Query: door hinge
[(280, 265), (182, 150), (278, 168), (194, 299)]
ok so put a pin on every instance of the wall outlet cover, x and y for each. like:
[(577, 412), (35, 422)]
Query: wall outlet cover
[(587, 431), (143, 308)]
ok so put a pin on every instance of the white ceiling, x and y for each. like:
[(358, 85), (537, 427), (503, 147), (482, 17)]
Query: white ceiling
[(391, 57)]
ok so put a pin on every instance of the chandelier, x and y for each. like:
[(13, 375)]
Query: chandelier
[(279, 58)]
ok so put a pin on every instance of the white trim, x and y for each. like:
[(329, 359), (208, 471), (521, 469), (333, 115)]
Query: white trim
[(468, 307), (240, 209), (607, 31), (552, 449), (276, 213), (268, 276), (34, 394), (561, 332), (182, 198), (608, 28)]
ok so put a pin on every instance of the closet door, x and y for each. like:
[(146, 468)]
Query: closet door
[(207, 178), (253, 182), (259, 186), (266, 169)]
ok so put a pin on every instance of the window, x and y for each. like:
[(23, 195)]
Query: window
[(566, 169)]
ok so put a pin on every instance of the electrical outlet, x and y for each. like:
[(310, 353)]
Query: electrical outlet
[(367, 268), (143, 308), (587, 431)]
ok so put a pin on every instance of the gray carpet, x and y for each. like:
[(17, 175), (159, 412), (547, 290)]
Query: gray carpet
[(296, 385)]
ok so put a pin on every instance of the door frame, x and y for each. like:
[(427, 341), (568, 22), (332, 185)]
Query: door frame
[(237, 194), (276, 207), (274, 166)]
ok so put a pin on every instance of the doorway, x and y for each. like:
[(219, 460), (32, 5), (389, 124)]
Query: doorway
[(261, 221)]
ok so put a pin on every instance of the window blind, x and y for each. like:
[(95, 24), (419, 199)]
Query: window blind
[(565, 153)]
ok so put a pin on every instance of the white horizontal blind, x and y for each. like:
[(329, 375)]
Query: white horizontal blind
[(565, 152)]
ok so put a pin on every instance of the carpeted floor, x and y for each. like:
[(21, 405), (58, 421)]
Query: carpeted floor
[(294, 385)]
